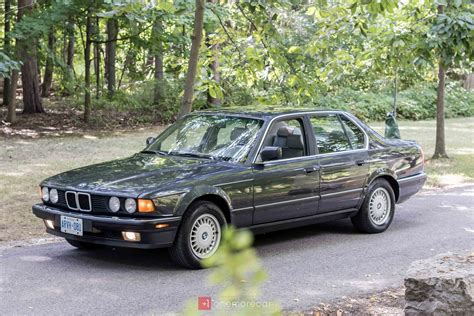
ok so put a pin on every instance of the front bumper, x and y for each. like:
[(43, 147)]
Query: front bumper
[(107, 230)]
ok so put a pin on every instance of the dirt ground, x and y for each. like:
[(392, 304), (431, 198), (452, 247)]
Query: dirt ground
[(388, 302), (24, 163)]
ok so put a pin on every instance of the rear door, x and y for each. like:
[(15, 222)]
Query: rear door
[(342, 155)]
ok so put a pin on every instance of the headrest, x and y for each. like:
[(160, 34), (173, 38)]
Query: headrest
[(237, 132), (286, 131)]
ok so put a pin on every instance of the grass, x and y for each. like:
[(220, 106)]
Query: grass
[(459, 168), (25, 162)]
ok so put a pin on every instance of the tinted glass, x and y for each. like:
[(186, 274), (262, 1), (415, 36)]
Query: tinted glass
[(356, 136), (329, 133), (289, 135), (208, 136)]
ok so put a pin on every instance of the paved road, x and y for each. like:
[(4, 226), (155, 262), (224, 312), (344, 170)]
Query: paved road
[(312, 264)]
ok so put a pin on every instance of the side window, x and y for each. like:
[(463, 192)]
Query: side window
[(289, 135), (330, 135), (355, 134)]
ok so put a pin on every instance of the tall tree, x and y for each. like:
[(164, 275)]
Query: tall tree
[(27, 47), (157, 52), (450, 37), (97, 49), (110, 55), (187, 104), (49, 68), (87, 66), (6, 45)]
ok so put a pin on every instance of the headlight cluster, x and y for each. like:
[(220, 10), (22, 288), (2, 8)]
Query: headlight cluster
[(130, 205), (49, 195)]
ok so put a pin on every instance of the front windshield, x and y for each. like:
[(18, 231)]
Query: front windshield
[(208, 136)]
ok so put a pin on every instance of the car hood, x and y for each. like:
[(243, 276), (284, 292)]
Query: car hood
[(140, 173)]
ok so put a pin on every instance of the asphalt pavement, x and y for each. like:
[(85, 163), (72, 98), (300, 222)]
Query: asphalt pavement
[(305, 266)]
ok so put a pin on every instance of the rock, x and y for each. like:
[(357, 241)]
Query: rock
[(442, 285)]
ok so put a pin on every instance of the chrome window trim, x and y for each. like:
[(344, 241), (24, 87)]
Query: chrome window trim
[(366, 137)]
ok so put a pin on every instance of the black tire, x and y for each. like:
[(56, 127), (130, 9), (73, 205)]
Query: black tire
[(363, 221), (81, 244), (181, 252)]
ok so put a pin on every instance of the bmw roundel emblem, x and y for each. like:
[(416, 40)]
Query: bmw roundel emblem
[(81, 185)]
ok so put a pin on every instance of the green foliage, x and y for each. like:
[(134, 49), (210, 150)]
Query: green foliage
[(416, 103), (239, 273), (7, 65)]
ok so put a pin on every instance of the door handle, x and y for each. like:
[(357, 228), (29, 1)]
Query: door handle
[(361, 162), (311, 169)]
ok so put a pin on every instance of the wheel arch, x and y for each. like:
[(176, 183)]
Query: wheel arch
[(390, 178), (210, 194)]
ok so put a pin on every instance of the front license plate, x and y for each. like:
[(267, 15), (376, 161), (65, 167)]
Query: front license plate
[(71, 225)]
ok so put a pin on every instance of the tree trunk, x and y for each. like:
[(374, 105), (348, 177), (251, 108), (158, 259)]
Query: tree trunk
[(216, 76), (214, 68), (395, 94), (70, 47), (87, 63), (158, 61), (440, 148), (11, 114), (6, 45), (29, 69), (49, 68), (187, 104), (110, 56), (97, 61)]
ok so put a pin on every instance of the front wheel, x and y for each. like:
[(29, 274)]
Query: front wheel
[(376, 213), (199, 236)]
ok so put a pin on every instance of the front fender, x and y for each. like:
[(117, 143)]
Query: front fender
[(197, 192)]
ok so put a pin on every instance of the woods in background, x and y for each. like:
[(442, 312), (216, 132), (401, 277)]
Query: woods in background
[(179, 55)]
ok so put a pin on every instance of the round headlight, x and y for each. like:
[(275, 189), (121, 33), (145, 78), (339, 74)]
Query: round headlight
[(53, 195), (130, 205), (45, 194), (114, 204)]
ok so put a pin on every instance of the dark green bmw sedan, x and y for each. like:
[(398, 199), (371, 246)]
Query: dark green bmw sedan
[(259, 170)]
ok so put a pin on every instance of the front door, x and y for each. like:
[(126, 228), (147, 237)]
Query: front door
[(342, 155), (288, 187)]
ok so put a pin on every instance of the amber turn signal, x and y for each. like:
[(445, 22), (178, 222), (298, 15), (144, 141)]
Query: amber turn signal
[(145, 206), (158, 226)]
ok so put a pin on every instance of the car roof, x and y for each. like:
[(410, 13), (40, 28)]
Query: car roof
[(265, 112)]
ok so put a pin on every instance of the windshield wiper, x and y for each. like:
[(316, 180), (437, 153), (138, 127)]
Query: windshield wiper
[(188, 154), (159, 152)]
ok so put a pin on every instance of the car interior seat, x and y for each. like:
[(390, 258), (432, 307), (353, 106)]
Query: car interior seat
[(290, 139)]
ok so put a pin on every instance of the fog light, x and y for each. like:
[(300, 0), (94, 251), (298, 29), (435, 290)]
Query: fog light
[(49, 223), (131, 236)]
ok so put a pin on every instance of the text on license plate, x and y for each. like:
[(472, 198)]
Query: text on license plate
[(71, 225)]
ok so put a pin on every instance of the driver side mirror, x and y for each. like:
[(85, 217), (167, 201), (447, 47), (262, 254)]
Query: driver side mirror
[(271, 153), (150, 140)]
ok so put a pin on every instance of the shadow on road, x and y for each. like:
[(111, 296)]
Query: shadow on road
[(123, 258)]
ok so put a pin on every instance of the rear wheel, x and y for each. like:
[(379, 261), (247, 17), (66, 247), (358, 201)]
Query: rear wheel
[(199, 236), (376, 213), (81, 244)]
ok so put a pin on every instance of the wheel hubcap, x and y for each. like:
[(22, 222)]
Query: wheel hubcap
[(205, 236), (379, 206)]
